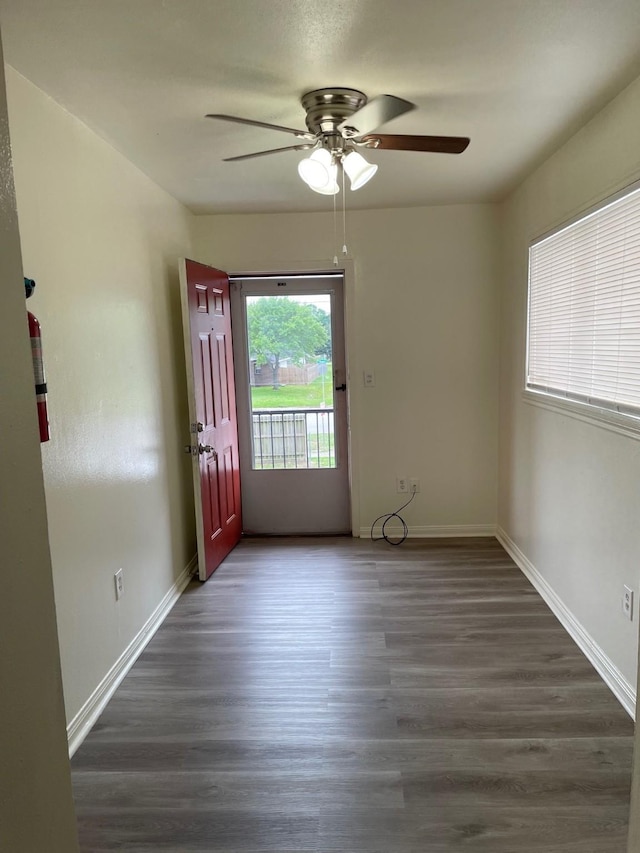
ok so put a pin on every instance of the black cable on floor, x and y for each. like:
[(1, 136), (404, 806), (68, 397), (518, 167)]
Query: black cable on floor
[(387, 518)]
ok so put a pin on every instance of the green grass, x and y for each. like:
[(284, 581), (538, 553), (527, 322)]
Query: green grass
[(294, 396)]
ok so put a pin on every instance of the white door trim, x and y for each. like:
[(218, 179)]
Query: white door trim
[(347, 267)]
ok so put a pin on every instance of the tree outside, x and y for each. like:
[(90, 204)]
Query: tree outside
[(291, 425), (279, 328), (324, 318)]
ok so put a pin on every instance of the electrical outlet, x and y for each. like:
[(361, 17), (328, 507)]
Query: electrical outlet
[(402, 485), (414, 485), (119, 582), (627, 602)]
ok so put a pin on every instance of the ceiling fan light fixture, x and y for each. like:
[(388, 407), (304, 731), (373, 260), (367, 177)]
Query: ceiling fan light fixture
[(315, 170), (358, 170)]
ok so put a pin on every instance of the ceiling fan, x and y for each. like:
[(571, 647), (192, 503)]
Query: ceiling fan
[(339, 121)]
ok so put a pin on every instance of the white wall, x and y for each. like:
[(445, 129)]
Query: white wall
[(569, 490), (102, 242), (423, 316), (36, 809)]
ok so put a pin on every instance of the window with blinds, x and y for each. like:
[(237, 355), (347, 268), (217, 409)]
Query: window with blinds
[(584, 309)]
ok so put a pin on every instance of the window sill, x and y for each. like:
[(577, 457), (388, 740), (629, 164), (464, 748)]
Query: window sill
[(604, 418)]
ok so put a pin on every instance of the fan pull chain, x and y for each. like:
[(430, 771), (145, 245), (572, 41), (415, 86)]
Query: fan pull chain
[(335, 233), (344, 218)]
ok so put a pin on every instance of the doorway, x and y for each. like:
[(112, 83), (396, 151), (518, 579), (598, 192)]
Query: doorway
[(289, 352)]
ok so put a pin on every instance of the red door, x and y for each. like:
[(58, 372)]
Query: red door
[(212, 410)]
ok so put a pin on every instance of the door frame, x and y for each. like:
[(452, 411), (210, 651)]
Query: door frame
[(296, 501), (353, 401)]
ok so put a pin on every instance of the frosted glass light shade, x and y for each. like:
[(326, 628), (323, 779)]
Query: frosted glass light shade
[(314, 170), (358, 169), (332, 187)]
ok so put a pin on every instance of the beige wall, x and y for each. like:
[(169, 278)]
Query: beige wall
[(569, 495), (36, 809), (423, 316), (102, 242)]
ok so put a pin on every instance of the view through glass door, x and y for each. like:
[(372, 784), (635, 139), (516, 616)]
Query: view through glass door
[(291, 380), (292, 404)]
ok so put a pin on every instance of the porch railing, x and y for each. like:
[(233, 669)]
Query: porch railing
[(293, 438)]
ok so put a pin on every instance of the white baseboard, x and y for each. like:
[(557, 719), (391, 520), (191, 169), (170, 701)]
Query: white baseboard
[(81, 725), (433, 531), (621, 688)]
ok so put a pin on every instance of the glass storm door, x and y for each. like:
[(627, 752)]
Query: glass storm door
[(292, 404)]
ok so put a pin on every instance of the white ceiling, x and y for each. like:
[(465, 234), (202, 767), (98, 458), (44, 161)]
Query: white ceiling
[(517, 76)]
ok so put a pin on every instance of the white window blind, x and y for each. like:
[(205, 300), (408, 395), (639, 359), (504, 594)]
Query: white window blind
[(584, 309)]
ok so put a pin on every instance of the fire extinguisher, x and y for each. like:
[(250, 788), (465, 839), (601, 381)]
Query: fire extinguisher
[(38, 366)]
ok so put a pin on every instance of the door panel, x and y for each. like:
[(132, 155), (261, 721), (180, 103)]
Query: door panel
[(206, 375), (211, 496), (211, 390), (223, 407), (293, 437), (229, 465)]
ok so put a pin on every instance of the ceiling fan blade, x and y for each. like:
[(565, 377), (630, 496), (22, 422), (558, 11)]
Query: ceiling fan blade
[(301, 134), (375, 113), (436, 144), (305, 146)]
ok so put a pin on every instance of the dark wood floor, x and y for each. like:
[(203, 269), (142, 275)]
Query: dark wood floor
[(342, 695)]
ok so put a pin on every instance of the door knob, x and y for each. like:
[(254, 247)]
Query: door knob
[(205, 448)]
